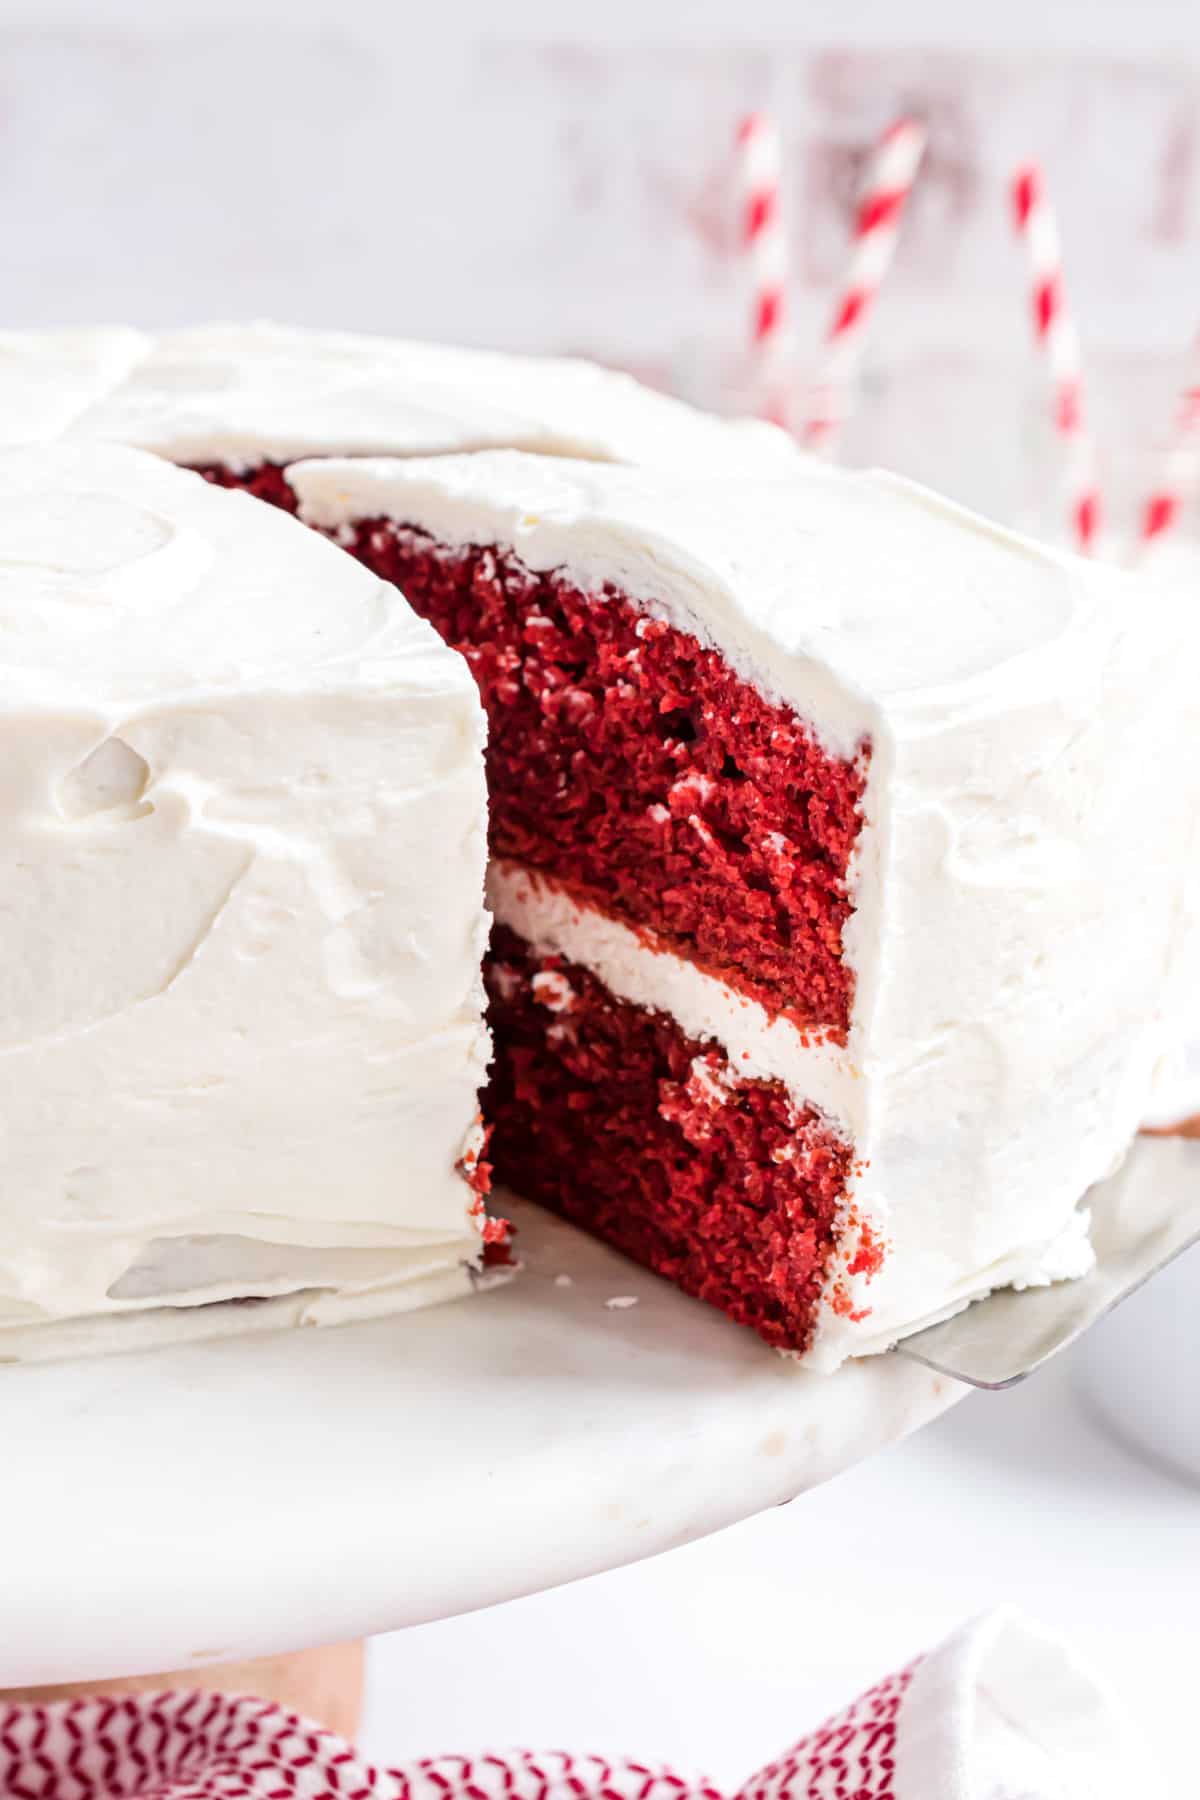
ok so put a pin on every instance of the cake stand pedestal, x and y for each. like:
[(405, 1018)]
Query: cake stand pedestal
[(220, 1501)]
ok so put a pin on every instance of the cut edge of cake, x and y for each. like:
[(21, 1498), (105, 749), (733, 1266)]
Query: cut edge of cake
[(1015, 705)]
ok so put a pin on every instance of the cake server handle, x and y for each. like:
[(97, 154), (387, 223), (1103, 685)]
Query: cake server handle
[(1143, 1217)]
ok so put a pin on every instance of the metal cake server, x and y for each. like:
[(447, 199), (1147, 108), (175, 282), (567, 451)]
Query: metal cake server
[(1143, 1217)]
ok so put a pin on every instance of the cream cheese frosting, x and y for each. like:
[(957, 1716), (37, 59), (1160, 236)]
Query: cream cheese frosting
[(246, 394), (1028, 823), (228, 734), (48, 378), (243, 813)]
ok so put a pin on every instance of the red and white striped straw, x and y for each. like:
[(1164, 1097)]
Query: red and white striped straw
[(1058, 339), (1179, 483), (889, 180), (764, 249)]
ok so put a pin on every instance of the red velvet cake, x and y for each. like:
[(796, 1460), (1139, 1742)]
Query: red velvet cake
[(829, 826), (783, 922), (633, 770), (609, 1113)]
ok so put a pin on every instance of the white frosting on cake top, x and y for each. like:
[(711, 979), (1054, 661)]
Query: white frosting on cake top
[(122, 583), (1028, 825), (48, 378), (242, 823), (243, 394), (864, 586)]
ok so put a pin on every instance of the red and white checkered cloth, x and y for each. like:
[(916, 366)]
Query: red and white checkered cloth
[(999, 1712)]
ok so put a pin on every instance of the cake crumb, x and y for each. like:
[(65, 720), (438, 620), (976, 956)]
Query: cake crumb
[(553, 991), (563, 1281), (619, 1302)]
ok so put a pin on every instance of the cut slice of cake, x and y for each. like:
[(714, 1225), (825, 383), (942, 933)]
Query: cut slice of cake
[(838, 845), (239, 402), (243, 819)]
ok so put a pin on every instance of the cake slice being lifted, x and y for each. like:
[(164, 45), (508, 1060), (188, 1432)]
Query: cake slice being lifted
[(838, 847)]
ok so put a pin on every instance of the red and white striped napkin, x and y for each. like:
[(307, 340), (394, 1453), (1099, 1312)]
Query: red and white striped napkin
[(1002, 1711)]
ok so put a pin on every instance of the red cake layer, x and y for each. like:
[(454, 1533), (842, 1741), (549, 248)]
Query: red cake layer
[(266, 481), (631, 765), (607, 1113)]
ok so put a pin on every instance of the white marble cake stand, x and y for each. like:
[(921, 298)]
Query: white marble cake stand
[(216, 1501)]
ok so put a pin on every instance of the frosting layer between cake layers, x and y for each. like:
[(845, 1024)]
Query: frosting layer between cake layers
[(1017, 881), (762, 1045), (243, 816), (244, 395)]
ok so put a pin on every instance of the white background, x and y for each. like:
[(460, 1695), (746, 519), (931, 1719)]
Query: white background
[(559, 177), (554, 176)]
